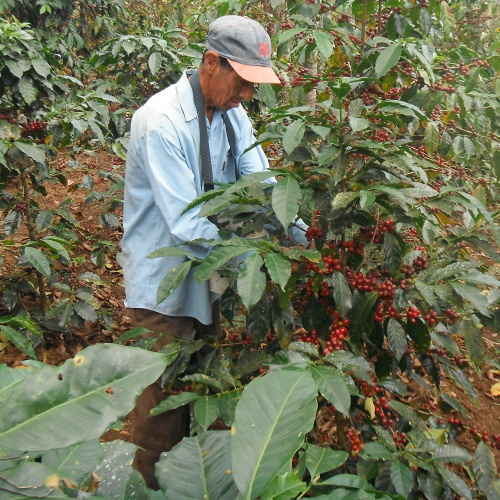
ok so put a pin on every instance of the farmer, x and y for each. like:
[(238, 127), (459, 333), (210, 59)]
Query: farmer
[(171, 161)]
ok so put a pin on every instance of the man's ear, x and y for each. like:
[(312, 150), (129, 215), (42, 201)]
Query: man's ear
[(212, 61)]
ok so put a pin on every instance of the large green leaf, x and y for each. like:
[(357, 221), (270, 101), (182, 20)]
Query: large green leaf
[(75, 462), (118, 479), (31, 150), (401, 478), (198, 467), (251, 281), (473, 340), (88, 393), (387, 59), (484, 467), (293, 136), (279, 268), (261, 440), (285, 200), (325, 43), (332, 387)]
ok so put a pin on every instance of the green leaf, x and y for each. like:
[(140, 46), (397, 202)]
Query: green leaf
[(397, 338), (341, 293), (320, 459), (154, 62), (484, 467), (376, 451), (216, 259), (447, 19), (85, 311), (387, 59), (266, 94), (325, 43), (43, 220), (175, 401), (31, 150), (454, 403), (38, 260), (16, 68), (19, 340), (348, 481), (261, 441), (393, 253), (27, 90), (420, 335), (206, 410), (474, 345), (251, 281), (472, 294), (293, 136), (431, 137), (41, 67), (358, 124), (341, 200), (332, 386), (168, 252), (451, 453), (279, 268), (75, 462), (402, 107), (455, 482), (284, 487), (84, 393), (285, 200), (118, 478), (409, 413), (401, 478), (172, 280), (199, 467)]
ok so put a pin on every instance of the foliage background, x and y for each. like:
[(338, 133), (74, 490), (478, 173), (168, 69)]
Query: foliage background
[(383, 138)]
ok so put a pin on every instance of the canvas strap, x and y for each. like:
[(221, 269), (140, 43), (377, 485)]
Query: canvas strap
[(206, 163)]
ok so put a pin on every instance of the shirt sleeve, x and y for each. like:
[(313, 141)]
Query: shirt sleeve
[(174, 187)]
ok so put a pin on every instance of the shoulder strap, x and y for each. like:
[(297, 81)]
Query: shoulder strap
[(231, 137), (199, 102)]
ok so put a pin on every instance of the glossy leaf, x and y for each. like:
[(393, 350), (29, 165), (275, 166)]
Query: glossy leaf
[(38, 260), (341, 293), (19, 340), (284, 487), (387, 59), (261, 441), (402, 478), (320, 459), (279, 268), (397, 338), (333, 388), (83, 393), (251, 281), (431, 137), (293, 136), (206, 410), (198, 467), (217, 259), (285, 200), (484, 467)]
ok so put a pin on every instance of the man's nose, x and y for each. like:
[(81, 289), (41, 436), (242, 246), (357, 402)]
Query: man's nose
[(247, 92)]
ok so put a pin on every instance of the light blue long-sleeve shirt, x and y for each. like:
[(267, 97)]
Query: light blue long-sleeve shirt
[(163, 175)]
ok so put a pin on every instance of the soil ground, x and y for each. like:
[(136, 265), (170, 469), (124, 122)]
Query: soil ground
[(485, 413)]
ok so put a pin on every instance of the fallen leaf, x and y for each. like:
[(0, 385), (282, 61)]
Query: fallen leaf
[(495, 389)]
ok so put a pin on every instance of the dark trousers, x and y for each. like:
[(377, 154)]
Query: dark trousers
[(159, 433)]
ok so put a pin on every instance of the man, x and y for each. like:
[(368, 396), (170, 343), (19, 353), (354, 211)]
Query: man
[(163, 175)]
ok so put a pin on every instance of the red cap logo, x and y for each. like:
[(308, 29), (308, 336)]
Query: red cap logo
[(264, 49)]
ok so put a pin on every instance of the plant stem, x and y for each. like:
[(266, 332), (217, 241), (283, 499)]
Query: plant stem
[(32, 234)]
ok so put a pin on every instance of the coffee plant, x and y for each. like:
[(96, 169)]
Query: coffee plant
[(383, 139)]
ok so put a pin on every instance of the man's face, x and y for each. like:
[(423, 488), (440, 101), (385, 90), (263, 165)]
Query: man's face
[(228, 89)]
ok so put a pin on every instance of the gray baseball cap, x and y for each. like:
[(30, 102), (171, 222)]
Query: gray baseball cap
[(245, 44)]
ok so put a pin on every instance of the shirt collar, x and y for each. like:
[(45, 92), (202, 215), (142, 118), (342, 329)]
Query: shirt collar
[(185, 93)]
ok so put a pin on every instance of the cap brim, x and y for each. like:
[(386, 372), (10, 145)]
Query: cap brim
[(254, 74)]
